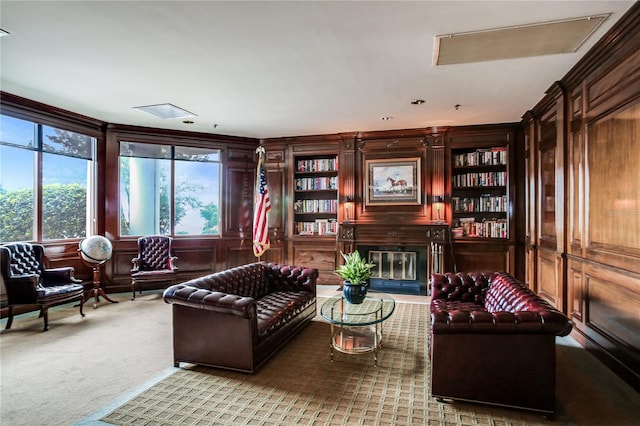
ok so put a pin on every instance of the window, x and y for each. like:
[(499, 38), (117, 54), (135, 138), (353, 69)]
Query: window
[(168, 190), (46, 182)]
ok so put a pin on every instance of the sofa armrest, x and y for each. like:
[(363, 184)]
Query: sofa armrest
[(291, 278), (199, 298), (56, 276), (22, 288)]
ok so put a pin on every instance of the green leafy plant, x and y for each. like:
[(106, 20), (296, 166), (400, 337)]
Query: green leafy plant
[(355, 270)]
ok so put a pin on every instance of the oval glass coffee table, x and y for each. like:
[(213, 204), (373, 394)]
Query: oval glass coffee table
[(357, 329)]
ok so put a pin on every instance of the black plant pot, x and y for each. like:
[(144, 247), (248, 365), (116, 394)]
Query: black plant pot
[(354, 293)]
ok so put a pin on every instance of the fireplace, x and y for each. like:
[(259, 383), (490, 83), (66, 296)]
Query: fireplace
[(405, 254), (398, 269)]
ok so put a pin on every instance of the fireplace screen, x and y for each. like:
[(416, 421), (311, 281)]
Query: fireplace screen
[(393, 265)]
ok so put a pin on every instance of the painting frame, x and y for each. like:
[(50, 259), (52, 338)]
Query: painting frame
[(392, 182)]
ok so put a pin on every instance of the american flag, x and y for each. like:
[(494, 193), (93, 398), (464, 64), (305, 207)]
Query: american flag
[(262, 207)]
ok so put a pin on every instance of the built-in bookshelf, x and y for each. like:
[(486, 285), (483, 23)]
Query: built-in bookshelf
[(315, 205), (479, 192)]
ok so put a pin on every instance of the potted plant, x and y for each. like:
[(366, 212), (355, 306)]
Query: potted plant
[(355, 272)]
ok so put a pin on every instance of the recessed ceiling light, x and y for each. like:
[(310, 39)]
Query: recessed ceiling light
[(417, 102), (386, 118), (165, 111), (187, 121)]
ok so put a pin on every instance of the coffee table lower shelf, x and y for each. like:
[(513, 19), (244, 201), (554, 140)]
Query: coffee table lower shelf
[(356, 340)]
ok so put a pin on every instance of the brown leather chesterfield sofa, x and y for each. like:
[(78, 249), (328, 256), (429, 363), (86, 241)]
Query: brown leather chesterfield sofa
[(493, 341), (238, 318)]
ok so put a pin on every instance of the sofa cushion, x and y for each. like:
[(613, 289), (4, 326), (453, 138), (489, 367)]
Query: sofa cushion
[(43, 293), (465, 287), (278, 308)]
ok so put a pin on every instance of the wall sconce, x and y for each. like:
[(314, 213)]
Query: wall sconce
[(349, 209), (438, 204)]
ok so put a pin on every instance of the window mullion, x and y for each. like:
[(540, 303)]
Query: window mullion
[(173, 191), (38, 190)]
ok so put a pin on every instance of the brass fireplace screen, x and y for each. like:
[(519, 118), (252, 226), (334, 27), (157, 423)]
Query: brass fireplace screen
[(394, 265)]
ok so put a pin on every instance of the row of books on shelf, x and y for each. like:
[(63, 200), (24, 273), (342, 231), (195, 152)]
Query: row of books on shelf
[(318, 183), (315, 206), (484, 203), (318, 227), (488, 228), (480, 179), (482, 157), (318, 165)]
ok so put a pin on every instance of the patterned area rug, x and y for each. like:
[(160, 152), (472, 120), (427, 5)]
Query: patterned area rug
[(300, 385)]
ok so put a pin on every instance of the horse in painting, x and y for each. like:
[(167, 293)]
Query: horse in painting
[(399, 185)]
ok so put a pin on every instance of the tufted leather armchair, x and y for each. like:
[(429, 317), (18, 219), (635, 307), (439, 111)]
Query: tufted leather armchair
[(28, 282), (154, 264)]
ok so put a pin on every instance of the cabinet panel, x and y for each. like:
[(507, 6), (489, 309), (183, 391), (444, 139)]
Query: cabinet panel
[(530, 268), (614, 195), (277, 214), (316, 254), (479, 258), (547, 160), (239, 200), (548, 193), (575, 290), (576, 192), (239, 255), (549, 284), (616, 314)]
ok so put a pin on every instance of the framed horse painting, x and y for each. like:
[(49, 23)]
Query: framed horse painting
[(394, 181)]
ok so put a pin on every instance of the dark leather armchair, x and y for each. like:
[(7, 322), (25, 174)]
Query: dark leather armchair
[(28, 282), (155, 263)]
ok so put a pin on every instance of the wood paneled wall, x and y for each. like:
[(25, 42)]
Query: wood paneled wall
[(584, 197)]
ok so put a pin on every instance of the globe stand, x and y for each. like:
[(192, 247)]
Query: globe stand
[(95, 267), (97, 290)]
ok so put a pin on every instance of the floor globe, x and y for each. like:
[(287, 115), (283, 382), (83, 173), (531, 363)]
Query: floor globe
[(95, 249)]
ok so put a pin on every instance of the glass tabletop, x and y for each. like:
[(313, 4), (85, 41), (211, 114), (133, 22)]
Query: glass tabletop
[(375, 308)]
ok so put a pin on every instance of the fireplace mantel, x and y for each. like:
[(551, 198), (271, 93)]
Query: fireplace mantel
[(392, 234)]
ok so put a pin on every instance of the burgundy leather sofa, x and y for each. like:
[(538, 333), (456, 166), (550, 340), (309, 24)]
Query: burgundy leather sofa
[(493, 341), (238, 318)]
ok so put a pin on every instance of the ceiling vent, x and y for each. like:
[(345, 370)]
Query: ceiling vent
[(546, 38), (166, 111)]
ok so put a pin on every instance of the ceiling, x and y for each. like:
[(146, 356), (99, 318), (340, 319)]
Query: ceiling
[(270, 69)]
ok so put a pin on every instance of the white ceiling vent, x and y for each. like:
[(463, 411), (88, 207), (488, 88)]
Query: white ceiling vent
[(165, 111), (538, 39)]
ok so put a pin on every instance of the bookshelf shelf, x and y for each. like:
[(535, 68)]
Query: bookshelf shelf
[(315, 194), (479, 192)]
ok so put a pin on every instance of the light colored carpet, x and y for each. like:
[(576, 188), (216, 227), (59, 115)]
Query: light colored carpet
[(81, 364), (82, 369), (300, 385)]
